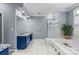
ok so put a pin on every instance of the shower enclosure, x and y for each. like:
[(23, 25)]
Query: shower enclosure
[(53, 27)]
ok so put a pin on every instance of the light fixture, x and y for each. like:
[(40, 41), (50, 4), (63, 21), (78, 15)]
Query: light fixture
[(25, 18), (28, 17), (22, 11), (56, 21), (77, 11), (18, 13), (50, 16)]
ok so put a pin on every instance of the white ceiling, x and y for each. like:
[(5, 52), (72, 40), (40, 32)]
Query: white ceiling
[(46, 8)]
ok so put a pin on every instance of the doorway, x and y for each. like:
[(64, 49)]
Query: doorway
[(38, 27)]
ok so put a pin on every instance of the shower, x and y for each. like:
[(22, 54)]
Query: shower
[(53, 28)]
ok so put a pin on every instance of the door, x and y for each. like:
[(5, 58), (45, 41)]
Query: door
[(38, 28)]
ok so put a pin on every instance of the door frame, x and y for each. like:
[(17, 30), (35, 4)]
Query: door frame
[(1, 12), (15, 30)]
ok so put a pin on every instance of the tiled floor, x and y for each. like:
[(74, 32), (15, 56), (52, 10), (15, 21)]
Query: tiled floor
[(36, 47)]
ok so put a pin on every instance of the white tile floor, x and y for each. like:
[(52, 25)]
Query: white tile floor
[(36, 47)]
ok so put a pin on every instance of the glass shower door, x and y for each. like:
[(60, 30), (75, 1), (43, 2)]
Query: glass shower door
[(53, 28)]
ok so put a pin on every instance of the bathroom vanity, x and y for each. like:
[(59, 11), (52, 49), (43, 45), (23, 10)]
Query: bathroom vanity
[(4, 49), (23, 40)]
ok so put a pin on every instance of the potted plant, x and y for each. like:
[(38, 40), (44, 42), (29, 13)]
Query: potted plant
[(67, 31)]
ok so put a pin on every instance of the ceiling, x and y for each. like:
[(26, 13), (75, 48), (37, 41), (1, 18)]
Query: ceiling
[(35, 9)]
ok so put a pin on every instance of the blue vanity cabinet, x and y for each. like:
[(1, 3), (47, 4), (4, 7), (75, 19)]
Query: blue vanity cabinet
[(21, 42), (5, 51)]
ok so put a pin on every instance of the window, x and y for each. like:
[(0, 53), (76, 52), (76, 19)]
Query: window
[(76, 23), (76, 20), (76, 16)]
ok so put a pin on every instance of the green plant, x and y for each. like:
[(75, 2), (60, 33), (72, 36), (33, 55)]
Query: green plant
[(67, 29)]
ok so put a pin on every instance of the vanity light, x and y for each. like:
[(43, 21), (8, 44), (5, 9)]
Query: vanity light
[(55, 21), (22, 11), (77, 12), (18, 13), (25, 18), (28, 17), (50, 17)]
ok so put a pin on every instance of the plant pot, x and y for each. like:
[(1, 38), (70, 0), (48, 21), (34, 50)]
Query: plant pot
[(67, 36)]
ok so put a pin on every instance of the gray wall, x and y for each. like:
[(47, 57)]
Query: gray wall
[(9, 22), (70, 17)]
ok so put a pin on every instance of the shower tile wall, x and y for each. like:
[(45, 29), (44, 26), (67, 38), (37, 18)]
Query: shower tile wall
[(54, 30)]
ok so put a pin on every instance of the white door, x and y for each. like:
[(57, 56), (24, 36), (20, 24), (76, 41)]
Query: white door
[(38, 28)]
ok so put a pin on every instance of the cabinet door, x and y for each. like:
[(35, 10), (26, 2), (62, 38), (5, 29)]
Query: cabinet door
[(21, 42), (31, 37)]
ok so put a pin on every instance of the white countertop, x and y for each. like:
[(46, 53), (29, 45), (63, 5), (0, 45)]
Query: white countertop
[(24, 34), (4, 46)]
